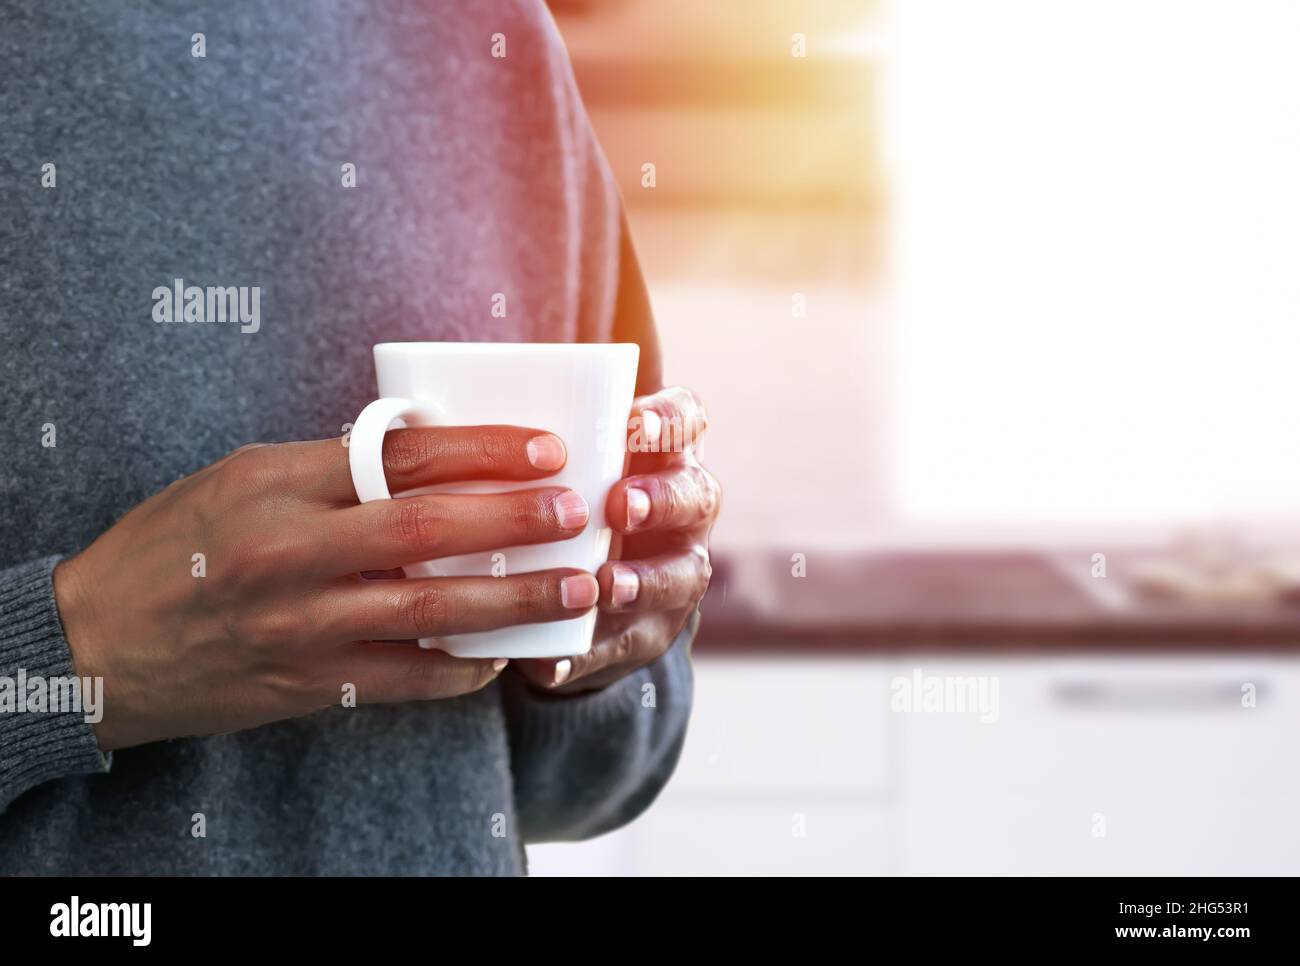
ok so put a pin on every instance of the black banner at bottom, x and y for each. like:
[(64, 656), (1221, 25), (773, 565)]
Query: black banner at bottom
[(332, 916)]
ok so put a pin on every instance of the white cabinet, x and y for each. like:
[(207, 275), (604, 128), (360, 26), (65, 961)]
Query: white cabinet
[(787, 725), (785, 771), (1114, 766), (1094, 765)]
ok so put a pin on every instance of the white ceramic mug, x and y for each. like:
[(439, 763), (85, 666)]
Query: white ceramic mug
[(580, 392)]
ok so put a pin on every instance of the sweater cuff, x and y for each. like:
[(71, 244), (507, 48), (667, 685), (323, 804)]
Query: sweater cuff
[(38, 744), (545, 720)]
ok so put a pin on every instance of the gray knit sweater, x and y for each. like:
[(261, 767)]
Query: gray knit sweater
[(127, 162)]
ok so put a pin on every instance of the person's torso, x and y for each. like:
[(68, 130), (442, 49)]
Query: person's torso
[(235, 171)]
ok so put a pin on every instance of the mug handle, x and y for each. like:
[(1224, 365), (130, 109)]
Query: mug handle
[(366, 443)]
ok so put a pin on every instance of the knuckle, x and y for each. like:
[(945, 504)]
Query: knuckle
[(254, 469), (431, 678), (261, 561), (270, 628), (246, 448), (708, 490), (483, 675), (249, 562), (625, 645), (494, 450), (667, 500), (686, 416), (253, 559), (233, 477), (580, 665), (305, 686), (654, 586), (448, 678), (288, 554), (701, 414), (287, 687), (407, 451), (427, 610), (414, 524), (704, 572), (255, 463), (672, 433), (531, 512), (533, 598)]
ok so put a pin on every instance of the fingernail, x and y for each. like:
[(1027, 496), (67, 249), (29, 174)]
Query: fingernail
[(638, 507), (545, 452), (571, 510), (651, 428), (579, 591), (626, 585), (562, 671), (499, 663)]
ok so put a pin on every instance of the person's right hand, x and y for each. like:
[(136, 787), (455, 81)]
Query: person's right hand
[(283, 620)]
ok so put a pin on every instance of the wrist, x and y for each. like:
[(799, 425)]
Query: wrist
[(76, 614)]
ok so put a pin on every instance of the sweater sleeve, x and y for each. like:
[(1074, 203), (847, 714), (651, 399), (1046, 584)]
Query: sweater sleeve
[(37, 746), (587, 764)]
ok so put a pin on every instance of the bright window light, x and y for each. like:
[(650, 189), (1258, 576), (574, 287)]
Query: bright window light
[(1097, 262)]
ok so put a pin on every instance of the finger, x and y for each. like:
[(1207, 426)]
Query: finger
[(440, 454), (684, 496), (384, 673), (665, 582), (632, 641), (669, 421), (439, 606), (384, 534)]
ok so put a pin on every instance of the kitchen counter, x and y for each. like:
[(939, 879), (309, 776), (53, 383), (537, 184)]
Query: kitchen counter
[(1003, 600)]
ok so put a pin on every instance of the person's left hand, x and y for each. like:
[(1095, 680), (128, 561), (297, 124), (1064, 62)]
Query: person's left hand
[(659, 565)]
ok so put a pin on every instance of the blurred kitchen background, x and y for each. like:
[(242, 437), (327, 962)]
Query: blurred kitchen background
[(995, 308)]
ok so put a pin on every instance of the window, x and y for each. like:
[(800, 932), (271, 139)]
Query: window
[(1097, 259)]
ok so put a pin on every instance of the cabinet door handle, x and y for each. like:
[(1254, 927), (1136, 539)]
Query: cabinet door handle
[(1094, 695)]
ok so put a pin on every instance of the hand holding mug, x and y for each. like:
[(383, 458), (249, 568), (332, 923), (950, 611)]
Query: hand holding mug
[(274, 620), (663, 511)]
